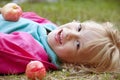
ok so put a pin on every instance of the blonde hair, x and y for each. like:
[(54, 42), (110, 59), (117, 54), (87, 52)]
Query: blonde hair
[(106, 51)]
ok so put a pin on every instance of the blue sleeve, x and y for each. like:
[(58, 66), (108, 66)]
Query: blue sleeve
[(23, 25)]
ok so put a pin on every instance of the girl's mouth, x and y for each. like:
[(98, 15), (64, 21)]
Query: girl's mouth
[(58, 36)]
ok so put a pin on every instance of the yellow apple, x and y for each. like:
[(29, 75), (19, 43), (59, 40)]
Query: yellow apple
[(11, 12)]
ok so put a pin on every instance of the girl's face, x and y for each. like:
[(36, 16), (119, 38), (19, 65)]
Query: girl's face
[(68, 39)]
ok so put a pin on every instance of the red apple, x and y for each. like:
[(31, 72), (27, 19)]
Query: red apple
[(11, 12), (35, 70)]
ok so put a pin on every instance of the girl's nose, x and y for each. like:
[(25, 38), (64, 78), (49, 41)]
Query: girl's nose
[(71, 34)]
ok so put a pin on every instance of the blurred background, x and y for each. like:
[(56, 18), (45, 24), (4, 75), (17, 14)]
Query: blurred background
[(62, 11)]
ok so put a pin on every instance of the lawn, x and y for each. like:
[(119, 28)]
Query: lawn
[(68, 10)]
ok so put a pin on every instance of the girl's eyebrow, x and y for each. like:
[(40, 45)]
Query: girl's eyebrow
[(82, 26), (79, 24)]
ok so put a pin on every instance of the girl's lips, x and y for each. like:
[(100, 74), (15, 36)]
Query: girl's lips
[(58, 36)]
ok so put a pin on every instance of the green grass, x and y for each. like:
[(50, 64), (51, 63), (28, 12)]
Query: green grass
[(69, 10), (66, 75)]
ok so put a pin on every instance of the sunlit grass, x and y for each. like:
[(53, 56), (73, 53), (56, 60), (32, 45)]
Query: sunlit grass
[(68, 10)]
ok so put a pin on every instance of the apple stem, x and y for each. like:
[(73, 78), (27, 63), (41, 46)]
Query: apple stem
[(15, 7)]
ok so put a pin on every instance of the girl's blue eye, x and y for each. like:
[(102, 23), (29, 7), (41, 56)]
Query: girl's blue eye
[(79, 28), (78, 45)]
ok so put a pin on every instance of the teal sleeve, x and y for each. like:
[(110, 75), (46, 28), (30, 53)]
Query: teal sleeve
[(23, 25)]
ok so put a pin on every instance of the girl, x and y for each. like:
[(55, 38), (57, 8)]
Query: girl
[(93, 45)]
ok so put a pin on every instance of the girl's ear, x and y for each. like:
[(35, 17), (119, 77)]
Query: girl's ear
[(107, 24)]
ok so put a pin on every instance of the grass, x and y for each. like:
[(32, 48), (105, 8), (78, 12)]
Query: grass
[(68, 10), (67, 75), (65, 11)]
